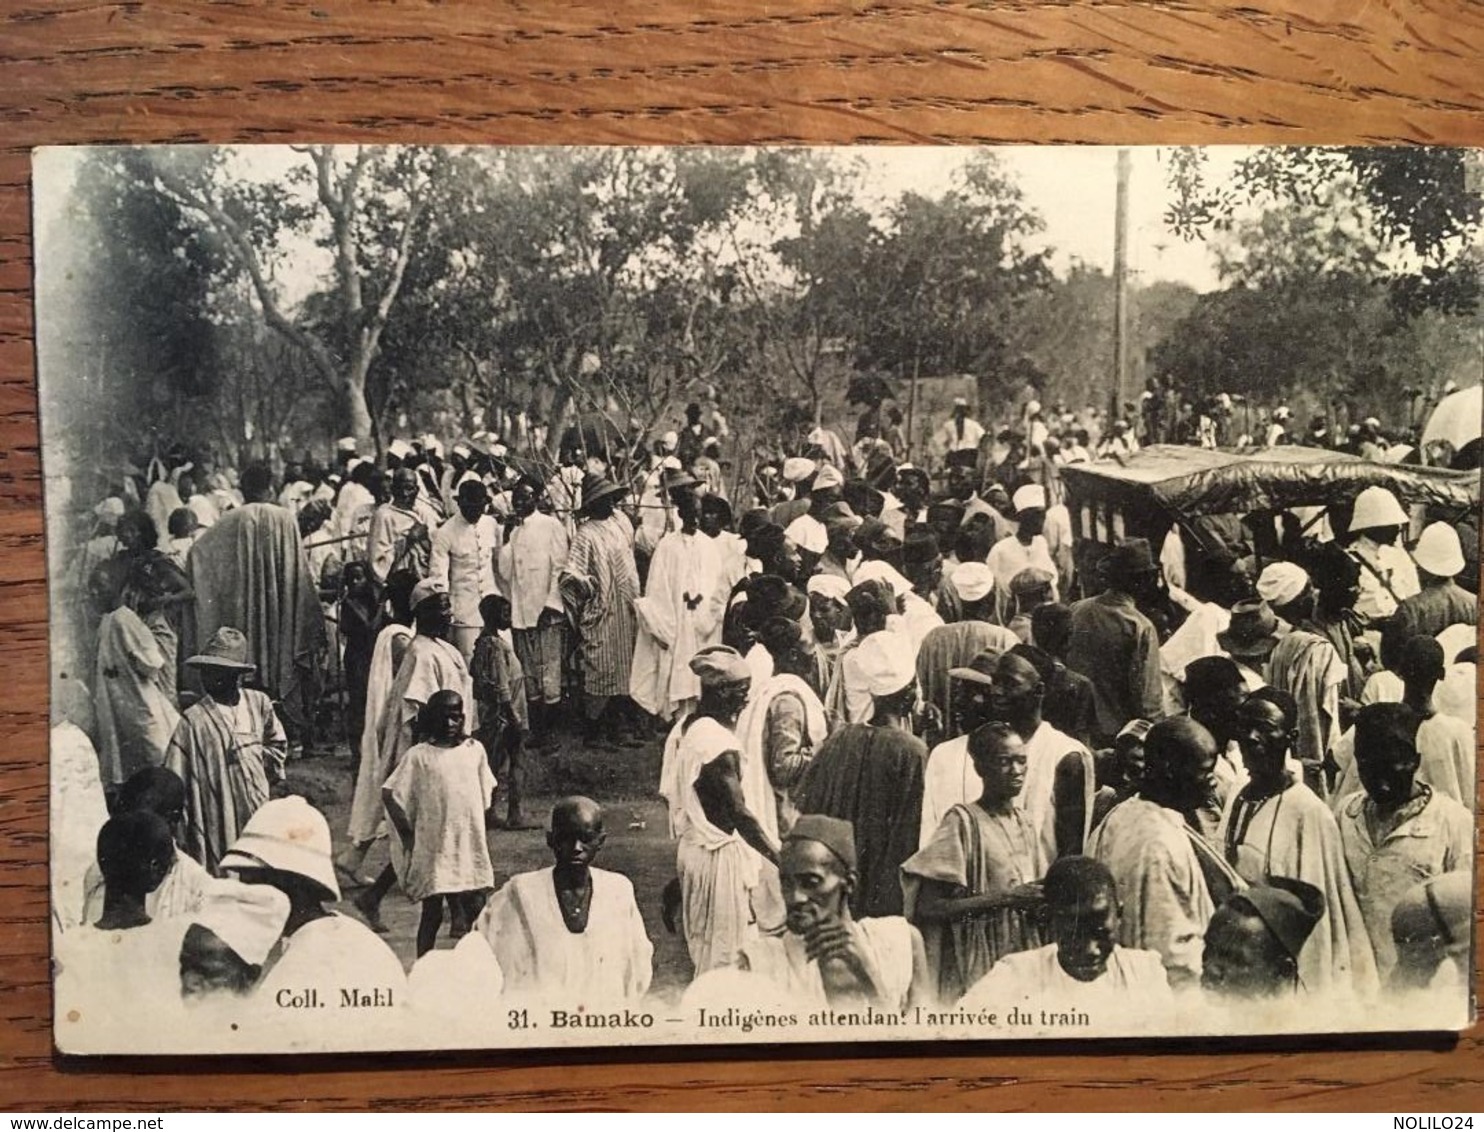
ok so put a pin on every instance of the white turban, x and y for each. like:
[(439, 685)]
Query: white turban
[(829, 585), (877, 570), (1030, 497), (1281, 582), (972, 580), (248, 918), (798, 468), (829, 476), (886, 661)]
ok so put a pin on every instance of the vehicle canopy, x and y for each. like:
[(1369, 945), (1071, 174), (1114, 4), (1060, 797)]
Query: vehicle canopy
[(1207, 492), (1205, 481)]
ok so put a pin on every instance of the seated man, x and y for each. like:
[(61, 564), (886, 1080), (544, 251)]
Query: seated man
[(572, 931), (826, 957), (122, 966), (1254, 940), (156, 790), (1083, 965)]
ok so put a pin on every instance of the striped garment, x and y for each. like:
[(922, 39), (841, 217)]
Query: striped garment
[(601, 562)]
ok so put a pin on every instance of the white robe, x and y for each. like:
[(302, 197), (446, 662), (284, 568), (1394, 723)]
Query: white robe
[(757, 786), (1133, 984), (608, 964), (679, 614), (444, 792), (78, 811), (328, 955), (717, 870), (366, 813), (885, 941)]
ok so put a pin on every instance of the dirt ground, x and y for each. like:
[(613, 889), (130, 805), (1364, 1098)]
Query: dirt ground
[(638, 844)]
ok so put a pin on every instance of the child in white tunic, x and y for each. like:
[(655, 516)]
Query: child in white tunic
[(436, 800)]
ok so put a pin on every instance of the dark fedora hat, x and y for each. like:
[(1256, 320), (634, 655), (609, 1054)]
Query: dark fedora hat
[(1253, 631)]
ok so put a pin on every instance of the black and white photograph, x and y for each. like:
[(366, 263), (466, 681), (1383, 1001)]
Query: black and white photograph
[(542, 597)]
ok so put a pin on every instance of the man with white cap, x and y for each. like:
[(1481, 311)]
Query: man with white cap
[(722, 832), (1026, 548), (1440, 602), (529, 567), (1306, 666), (829, 625), (322, 955), (797, 473), (808, 531), (1387, 574), (960, 432), (870, 774)]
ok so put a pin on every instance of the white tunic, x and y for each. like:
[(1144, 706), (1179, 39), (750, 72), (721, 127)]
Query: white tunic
[(609, 963)]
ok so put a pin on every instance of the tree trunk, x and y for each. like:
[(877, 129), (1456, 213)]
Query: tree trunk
[(357, 412)]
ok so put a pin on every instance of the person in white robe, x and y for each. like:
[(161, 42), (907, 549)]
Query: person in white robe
[(1388, 575), (183, 890), (681, 610), (135, 713), (121, 967), (431, 664), (722, 842), (78, 811), (367, 816), (1084, 967), (571, 932), (825, 957), (1023, 550)]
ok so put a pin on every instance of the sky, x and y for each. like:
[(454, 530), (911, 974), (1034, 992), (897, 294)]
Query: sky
[(1072, 187)]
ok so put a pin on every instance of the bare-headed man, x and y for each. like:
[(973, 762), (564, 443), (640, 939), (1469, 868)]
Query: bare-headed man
[(572, 931)]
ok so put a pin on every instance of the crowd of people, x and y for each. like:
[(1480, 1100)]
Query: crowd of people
[(910, 754)]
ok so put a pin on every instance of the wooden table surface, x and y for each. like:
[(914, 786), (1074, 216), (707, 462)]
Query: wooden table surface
[(1123, 71)]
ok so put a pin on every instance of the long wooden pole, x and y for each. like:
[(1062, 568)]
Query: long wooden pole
[(1120, 291)]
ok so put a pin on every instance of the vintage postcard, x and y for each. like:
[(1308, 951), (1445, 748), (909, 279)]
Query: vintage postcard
[(521, 597)]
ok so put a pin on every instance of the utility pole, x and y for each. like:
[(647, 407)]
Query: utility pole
[(1120, 292)]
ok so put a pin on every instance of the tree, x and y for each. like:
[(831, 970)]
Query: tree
[(127, 318), (1308, 317), (1066, 330), (950, 275), (1421, 209), (367, 207)]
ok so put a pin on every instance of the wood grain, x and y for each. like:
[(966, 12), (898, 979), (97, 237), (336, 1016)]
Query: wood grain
[(674, 72)]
